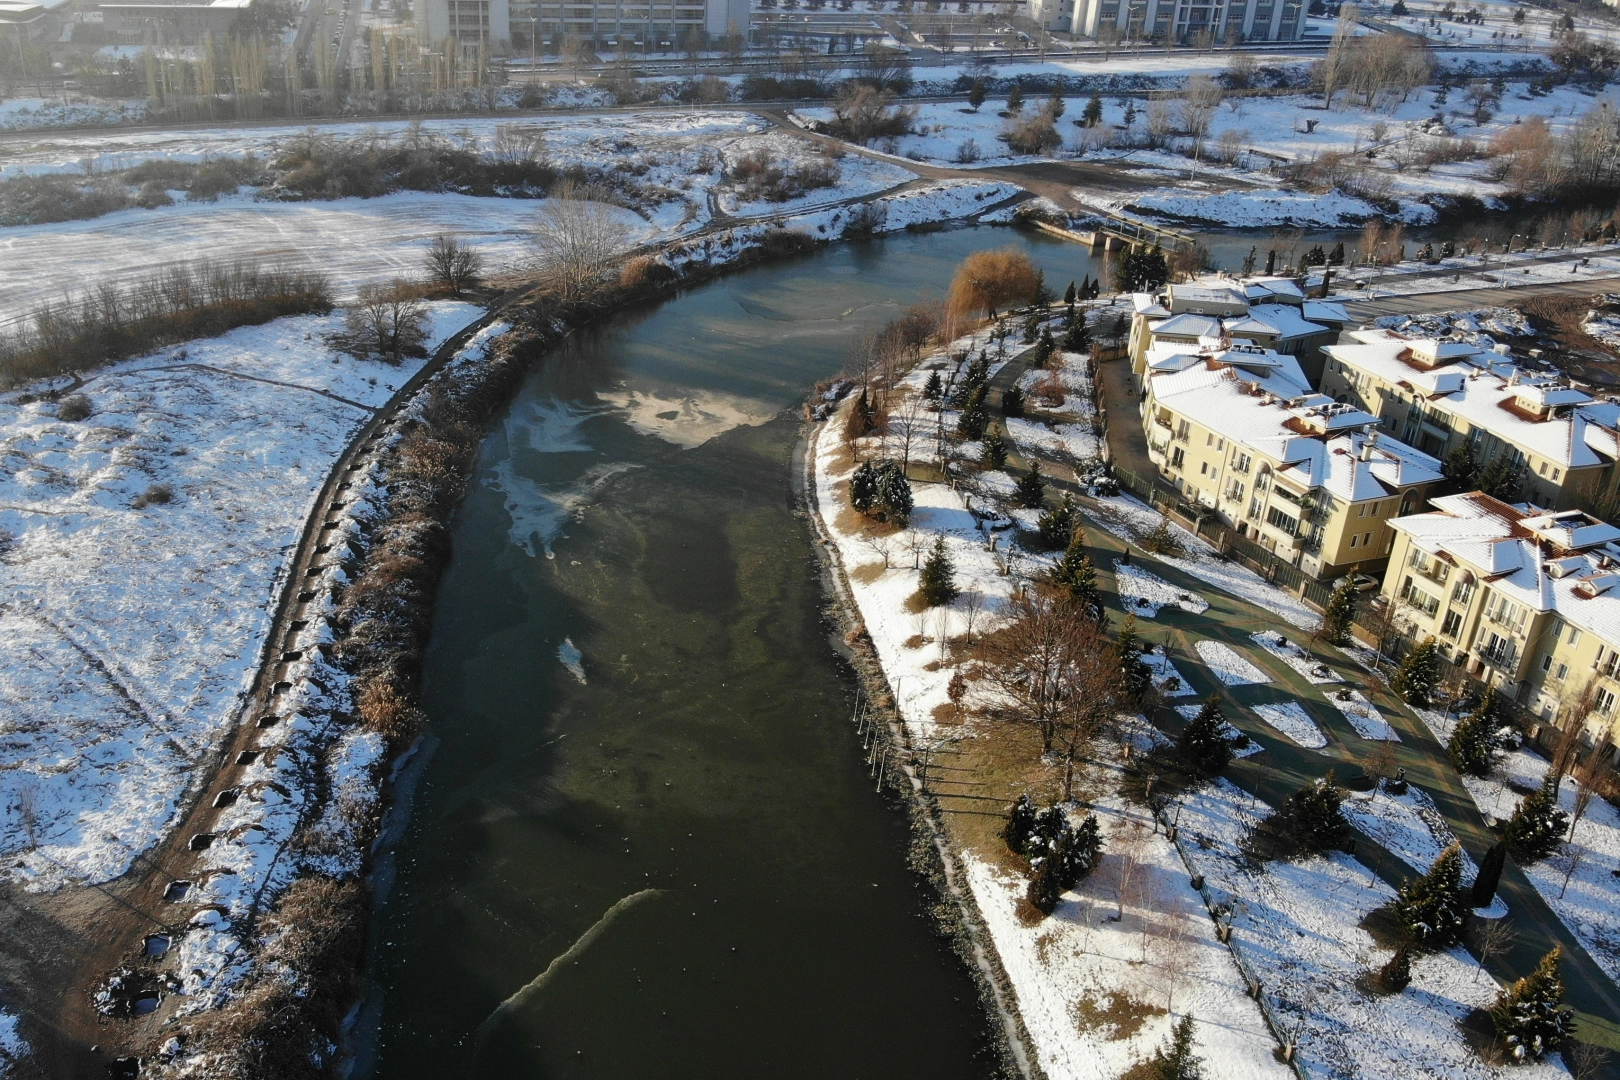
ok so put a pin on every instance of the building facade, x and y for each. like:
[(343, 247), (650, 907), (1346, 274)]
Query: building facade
[(1240, 432), (1521, 598), (1444, 395), (542, 25), (1269, 311), (1182, 21)]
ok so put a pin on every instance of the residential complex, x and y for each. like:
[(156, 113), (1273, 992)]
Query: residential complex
[(1269, 311), (611, 24), (1183, 21), (1444, 395), (1522, 598), (1239, 430)]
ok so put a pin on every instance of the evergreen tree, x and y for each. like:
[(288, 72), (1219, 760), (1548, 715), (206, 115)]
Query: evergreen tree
[(1032, 328), (1128, 647), (1396, 974), (1077, 578), (1141, 271), (1081, 851), (1015, 99), (1078, 337), (938, 583), (1340, 610), (1050, 825), (1204, 747), (1069, 295), (893, 492), (1502, 478), (935, 388), (1418, 674), (1094, 111), (1310, 820), (863, 489), (1175, 1060), (1473, 743), (1056, 525), (1044, 889), (995, 450), (976, 94), (1336, 256), (973, 421), (1044, 348), (1530, 1018), (1021, 817), (1460, 470), (1031, 488), (1012, 401), (1431, 907), (1537, 826)]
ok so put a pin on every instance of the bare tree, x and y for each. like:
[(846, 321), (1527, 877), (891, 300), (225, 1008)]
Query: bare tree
[(883, 545), (1199, 99), (1569, 859), (1126, 846), (1338, 67), (917, 542), (911, 419), (577, 236), (972, 601), (518, 144), (1175, 954), (452, 264), (1491, 938), (1585, 1060), (385, 322)]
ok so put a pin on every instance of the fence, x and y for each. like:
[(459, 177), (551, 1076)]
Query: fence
[(1167, 500)]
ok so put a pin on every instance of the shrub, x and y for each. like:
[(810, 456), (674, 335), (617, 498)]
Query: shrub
[(385, 322), (155, 495), (1396, 974), (1034, 134), (1162, 539), (73, 408), (1431, 907)]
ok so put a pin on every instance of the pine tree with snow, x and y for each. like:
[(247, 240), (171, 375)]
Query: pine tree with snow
[(1529, 1017), (1396, 974), (1094, 111), (1031, 488), (1080, 853), (893, 492), (1502, 478), (1473, 743), (1173, 1061), (1050, 826), (1431, 908), (1340, 610), (934, 389), (1537, 826), (1076, 579), (863, 489), (1418, 674), (1128, 647), (1311, 820), (1044, 889), (1056, 526), (994, 454), (972, 421), (1205, 748), (1021, 818), (938, 583), (1032, 327), (1012, 401)]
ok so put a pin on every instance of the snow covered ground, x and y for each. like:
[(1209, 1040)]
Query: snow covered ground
[(1228, 665), (1242, 745), (1576, 882), (1169, 682), (1296, 657), (1407, 825), (1143, 594), (1290, 719), (1298, 927), (143, 548), (1362, 714)]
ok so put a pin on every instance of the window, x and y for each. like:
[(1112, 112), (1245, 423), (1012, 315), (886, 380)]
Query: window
[(1504, 612), (1420, 599), (1562, 672), (1366, 541), (1241, 462), (1463, 592), (1279, 520), (1177, 457), (1361, 511), (1546, 661), (1574, 635), (1498, 651), (1209, 439), (1555, 476), (1605, 702), (1254, 508), (1354, 540), (1234, 493), (1543, 470), (1452, 624), (1220, 444), (1203, 468)]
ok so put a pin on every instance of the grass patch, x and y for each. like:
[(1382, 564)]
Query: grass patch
[(1114, 1016)]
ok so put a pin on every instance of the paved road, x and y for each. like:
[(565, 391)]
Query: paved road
[(1285, 767), (1413, 303)]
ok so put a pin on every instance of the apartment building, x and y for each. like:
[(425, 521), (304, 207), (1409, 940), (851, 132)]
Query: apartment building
[(1269, 311), (1442, 395), (1182, 21), (1522, 598), (650, 25), (1240, 431)]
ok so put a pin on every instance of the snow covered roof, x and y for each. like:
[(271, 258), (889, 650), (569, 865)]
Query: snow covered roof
[(1207, 294), (1280, 321), (1536, 414), (1567, 562), (1261, 400), (1262, 289), (1187, 326), (1146, 304), (1325, 311)]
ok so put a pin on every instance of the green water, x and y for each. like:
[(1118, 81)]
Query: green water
[(707, 753)]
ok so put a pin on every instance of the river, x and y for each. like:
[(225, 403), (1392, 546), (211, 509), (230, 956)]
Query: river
[(631, 686)]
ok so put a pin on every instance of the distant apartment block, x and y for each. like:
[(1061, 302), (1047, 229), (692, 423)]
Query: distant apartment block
[(1182, 21), (650, 25), (170, 22)]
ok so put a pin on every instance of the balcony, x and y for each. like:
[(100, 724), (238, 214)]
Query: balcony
[(1499, 654)]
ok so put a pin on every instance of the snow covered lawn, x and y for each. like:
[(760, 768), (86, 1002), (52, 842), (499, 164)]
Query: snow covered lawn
[(1295, 657), (1298, 925), (1228, 665), (1362, 715), (1291, 720), (143, 548), (1130, 519), (1166, 678), (1142, 593), (1407, 825)]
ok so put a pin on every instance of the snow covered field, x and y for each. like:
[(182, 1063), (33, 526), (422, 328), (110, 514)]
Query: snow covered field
[(1407, 825), (1576, 881), (1228, 665), (143, 547), (1361, 713), (1296, 657), (1169, 682), (1290, 719), (1298, 926), (1143, 594)]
